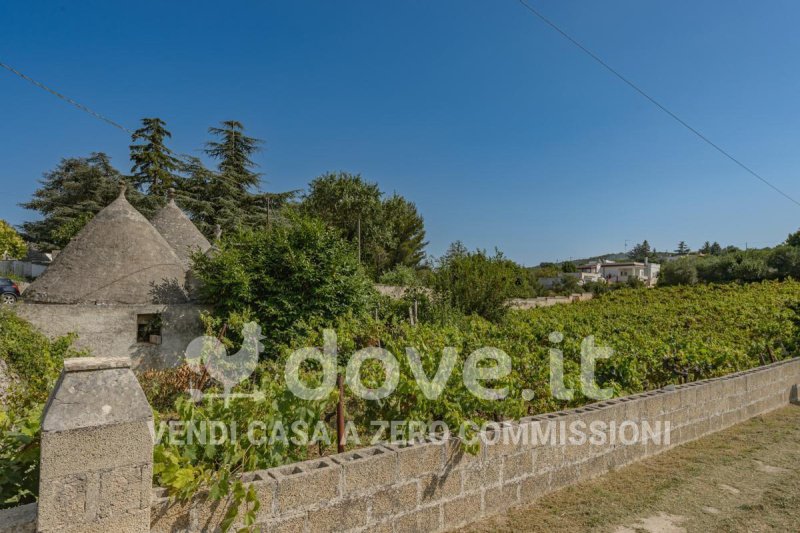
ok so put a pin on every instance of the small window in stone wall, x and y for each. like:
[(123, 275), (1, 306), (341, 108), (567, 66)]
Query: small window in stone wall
[(148, 328)]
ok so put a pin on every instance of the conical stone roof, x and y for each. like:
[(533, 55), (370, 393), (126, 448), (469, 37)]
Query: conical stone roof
[(118, 257), (179, 232)]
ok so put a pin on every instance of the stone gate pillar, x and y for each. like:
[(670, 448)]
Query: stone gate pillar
[(97, 450)]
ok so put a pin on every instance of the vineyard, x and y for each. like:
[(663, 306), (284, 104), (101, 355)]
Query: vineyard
[(659, 336)]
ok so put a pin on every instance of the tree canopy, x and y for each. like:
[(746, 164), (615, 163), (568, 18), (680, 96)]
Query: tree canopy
[(154, 169), (11, 244), (70, 195), (290, 278), (386, 232)]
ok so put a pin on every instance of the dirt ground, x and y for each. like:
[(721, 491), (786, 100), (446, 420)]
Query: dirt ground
[(746, 478)]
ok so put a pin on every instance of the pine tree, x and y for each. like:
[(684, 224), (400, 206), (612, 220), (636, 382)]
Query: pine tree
[(640, 252), (682, 249), (407, 230), (706, 248), (154, 165), (234, 151), (70, 195)]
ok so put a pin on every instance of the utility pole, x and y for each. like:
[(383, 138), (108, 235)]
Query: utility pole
[(359, 237)]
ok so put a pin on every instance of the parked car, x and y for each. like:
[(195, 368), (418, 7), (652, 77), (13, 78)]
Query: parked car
[(9, 291)]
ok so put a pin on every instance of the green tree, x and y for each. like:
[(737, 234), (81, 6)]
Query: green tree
[(11, 244), (706, 248), (794, 239), (70, 195), (679, 272), (568, 266), (234, 151), (477, 283), (386, 232), (786, 261), (641, 251), (407, 232), (291, 278), (229, 196), (682, 248), (715, 249), (154, 166), (353, 206)]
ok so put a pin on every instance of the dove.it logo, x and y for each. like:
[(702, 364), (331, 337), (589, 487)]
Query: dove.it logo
[(229, 370)]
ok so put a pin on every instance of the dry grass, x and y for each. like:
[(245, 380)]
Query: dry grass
[(746, 478)]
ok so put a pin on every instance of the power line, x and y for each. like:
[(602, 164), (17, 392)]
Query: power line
[(65, 98), (652, 100)]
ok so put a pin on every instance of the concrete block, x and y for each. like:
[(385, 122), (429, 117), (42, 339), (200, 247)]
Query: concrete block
[(517, 465), (498, 499), (286, 524), (342, 516), (533, 487), (435, 488), (428, 519), (548, 457), (457, 458), (367, 468), (305, 484), (563, 477), (485, 476), (461, 510), (417, 460), (96, 450), (505, 440), (395, 500)]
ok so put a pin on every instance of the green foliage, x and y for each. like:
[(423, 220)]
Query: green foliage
[(785, 260), (679, 272), (296, 275), (406, 230), (11, 244), (682, 248), (154, 166), (70, 196), (234, 151), (641, 251), (387, 232), (401, 276), (226, 196), (568, 266), (793, 239), (477, 283), (35, 362)]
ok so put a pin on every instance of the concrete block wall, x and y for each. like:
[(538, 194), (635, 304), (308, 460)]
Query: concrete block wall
[(96, 466), (435, 486)]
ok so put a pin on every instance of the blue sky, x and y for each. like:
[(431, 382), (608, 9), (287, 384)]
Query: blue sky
[(502, 132)]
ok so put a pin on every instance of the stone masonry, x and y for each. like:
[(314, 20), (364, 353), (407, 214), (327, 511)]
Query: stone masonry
[(435, 486), (97, 461), (96, 451)]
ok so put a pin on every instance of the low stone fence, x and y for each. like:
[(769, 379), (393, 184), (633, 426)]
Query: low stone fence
[(547, 301), (431, 485)]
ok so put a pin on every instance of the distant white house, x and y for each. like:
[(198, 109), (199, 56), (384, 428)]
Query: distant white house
[(582, 277), (646, 272)]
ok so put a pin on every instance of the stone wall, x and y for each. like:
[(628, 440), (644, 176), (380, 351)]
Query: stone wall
[(110, 330), (547, 301), (434, 485)]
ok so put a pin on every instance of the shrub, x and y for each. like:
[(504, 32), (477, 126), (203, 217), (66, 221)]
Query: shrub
[(679, 272), (35, 362), (290, 278)]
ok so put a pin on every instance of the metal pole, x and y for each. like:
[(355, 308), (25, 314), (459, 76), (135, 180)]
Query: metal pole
[(340, 441)]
